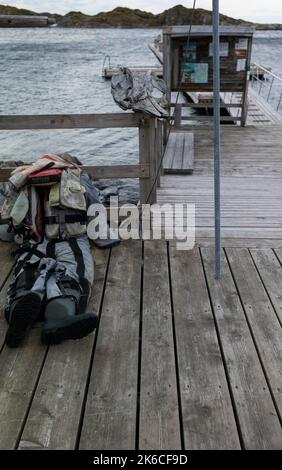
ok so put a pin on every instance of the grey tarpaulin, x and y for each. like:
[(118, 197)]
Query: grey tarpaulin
[(139, 91)]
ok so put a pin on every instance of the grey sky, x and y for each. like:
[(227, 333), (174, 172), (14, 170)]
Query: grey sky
[(255, 10)]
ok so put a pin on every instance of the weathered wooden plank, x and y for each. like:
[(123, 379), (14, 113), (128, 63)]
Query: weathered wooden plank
[(207, 180), (237, 228), (251, 186), (188, 156), (261, 317), (251, 193), (177, 114), (104, 171), (234, 196), (110, 414), (19, 371), (206, 105), (209, 118), (159, 407), (208, 417), (159, 150), (229, 232), (72, 121), (178, 152), (245, 94), (108, 72), (259, 423), (260, 243), (233, 223), (179, 156), (169, 151), (167, 65), (7, 261), (144, 158), (239, 220), (270, 271), (3, 299), (203, 30), (54, 416), (152, 160), (6, 267)]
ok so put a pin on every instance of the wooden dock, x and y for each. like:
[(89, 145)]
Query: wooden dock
[(179, 360), (251, 185)]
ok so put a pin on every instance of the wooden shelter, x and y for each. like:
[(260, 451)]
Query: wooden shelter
[(188, 64)]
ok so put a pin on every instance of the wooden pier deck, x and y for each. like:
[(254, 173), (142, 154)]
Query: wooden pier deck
[(251, 185), (179, 360)]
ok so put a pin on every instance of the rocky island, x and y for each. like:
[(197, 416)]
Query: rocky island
[(128, 18)]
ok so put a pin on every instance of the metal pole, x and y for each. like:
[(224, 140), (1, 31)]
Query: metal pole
[(270, 89), (217, 150), (279, 103)]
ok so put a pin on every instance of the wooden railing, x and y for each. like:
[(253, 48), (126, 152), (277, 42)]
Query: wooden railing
[(178, 116), (150, 143)]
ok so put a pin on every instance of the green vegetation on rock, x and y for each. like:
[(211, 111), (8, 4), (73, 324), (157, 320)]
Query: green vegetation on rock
[(127, 18)]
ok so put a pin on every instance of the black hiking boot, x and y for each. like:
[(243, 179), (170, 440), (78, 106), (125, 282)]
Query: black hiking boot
[(62, 322), (24, 312)]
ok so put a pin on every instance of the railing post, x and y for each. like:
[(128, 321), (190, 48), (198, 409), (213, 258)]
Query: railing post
[(159, 150), (245, 101), (148, 157), (153, 160), (260, 85), (144, 158), (270, 89), (279, 103), (167, 78), (244, 107), (177, 115)]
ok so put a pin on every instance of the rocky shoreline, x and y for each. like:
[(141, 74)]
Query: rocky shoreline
[(128, 18)]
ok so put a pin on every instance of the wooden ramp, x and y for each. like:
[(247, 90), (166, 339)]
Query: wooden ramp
[(179, 154), (251, 186), (178, 361)]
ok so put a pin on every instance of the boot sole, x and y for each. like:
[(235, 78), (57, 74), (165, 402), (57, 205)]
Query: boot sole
[(77, 329), (24, 315)]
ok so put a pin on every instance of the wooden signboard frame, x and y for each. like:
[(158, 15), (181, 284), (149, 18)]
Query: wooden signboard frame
[(196, 75)]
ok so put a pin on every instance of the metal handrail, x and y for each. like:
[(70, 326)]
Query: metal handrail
[(268, 81), (254, 64)]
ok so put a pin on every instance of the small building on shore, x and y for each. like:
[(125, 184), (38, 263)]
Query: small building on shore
[(26, 21)]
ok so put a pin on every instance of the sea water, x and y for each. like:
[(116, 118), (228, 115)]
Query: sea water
[(57, 70)]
